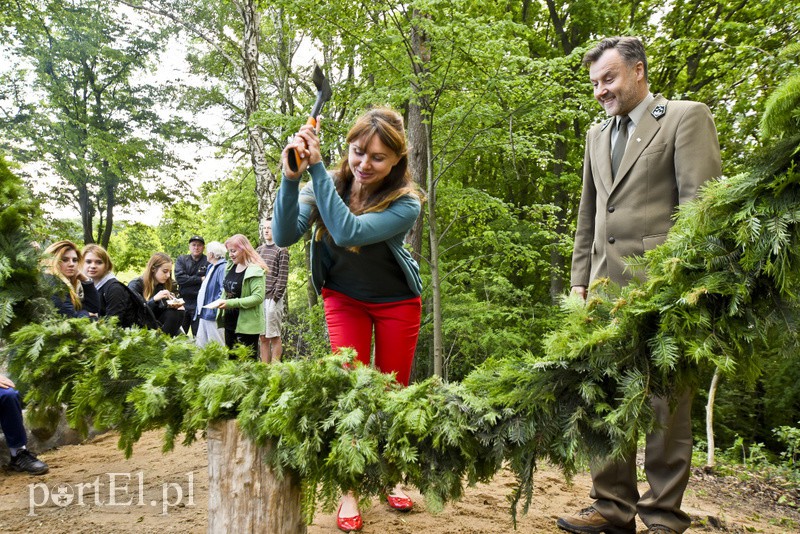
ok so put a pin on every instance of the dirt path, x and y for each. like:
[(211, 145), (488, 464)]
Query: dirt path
[(91, 488)]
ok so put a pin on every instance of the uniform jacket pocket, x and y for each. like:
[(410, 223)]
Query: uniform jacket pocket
[(649, 242)]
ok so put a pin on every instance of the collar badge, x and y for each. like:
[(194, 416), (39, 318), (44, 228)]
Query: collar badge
[(659, 111)]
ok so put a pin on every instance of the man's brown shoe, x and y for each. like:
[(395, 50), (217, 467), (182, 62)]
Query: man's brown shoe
[(660, 529), (589, 521)]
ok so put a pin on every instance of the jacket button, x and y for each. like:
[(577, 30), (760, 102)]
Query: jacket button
[(611, 240), (611, 209)]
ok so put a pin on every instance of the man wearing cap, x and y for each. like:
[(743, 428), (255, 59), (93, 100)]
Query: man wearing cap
[(190, 269)]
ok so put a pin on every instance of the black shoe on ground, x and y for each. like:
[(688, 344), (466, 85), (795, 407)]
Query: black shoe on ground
[(590, 521), (26, 462)]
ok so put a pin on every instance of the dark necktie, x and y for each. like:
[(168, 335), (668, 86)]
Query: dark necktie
[(619, 145)]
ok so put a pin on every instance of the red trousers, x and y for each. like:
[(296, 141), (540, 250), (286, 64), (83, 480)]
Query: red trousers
[(396, 324)]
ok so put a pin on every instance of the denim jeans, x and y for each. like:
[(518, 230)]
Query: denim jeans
[(11, 418)]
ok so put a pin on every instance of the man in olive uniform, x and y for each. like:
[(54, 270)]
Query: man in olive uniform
[(648, 158)]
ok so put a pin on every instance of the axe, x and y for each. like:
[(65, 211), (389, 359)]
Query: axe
[(323, 95)]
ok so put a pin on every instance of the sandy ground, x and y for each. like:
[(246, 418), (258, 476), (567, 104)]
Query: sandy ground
[(91, 488)]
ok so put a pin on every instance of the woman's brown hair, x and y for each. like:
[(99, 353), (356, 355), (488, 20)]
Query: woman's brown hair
[(101, 253), (387, 124), (148, 277)]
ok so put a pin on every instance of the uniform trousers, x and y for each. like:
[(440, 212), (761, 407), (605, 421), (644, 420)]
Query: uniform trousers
[(667, 461)]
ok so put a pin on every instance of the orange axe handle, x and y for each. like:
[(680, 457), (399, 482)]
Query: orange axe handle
[(294, 154)]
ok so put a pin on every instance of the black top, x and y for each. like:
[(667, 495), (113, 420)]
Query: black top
[(371, 275), (189, 273), (115, 301), (232, 289), (158, 306), (168, 319)]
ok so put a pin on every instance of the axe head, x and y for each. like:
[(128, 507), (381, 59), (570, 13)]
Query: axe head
[(323, 95), (323, 90)]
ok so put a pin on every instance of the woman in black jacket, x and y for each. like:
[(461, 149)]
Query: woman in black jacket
[(75, 294), (156, 287), (115, 299)]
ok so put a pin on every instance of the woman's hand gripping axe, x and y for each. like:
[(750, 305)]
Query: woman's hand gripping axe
[(323, 95)]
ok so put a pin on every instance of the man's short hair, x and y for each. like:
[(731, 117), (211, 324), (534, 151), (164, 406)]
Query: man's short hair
[(630, 48)]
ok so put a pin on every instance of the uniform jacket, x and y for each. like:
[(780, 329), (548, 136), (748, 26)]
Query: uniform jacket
[(671, 153)]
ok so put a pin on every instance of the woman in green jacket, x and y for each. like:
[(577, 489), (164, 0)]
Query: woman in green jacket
[(243, 295)]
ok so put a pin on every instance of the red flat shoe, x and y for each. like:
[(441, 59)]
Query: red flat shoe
[(348, 524), (401, 504)]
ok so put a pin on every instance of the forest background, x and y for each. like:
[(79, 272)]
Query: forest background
[(496, 105)]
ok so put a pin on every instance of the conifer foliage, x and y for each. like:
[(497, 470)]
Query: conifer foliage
[(21, 294), (722, 292)]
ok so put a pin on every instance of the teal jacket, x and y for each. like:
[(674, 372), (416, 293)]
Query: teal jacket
[(293, 209), (251, 303)]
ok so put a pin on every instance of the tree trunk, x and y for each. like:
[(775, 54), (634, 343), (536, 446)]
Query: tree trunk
[(265, 181), (421, 163), (557, 260), (712, 395), (417, 137), (418, 163), (244, 494), (86, 209), (250, 14), (111, 202), (436, 285)]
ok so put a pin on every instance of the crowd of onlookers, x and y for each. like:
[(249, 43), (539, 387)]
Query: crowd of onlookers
[(229, 293), (238, 299)]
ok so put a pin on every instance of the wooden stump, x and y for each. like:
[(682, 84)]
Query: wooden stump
[(244, 494)]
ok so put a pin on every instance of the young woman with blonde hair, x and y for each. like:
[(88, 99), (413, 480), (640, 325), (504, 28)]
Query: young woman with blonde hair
[(77, 297)]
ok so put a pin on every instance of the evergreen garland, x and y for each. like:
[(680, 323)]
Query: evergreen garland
[(22, 297), (722, 291)]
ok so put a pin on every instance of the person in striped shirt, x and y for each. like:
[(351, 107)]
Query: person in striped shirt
[(277, 259)]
